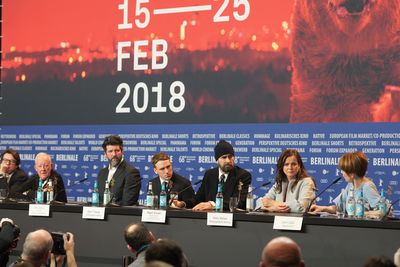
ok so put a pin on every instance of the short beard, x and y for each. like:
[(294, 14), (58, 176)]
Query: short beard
[(114, 161), (227, 168)]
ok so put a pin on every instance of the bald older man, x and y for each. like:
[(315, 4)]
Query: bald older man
[(45, 173), (36, 250), (281, 252)]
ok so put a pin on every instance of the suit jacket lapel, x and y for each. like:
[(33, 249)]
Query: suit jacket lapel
[(229, 185), (156, 186), (213, 183), (116, 177)]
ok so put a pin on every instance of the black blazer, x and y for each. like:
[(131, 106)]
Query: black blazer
[(126, 186), (6, 241), (31, 185), (209, 186), (178, 183), (17, 179)]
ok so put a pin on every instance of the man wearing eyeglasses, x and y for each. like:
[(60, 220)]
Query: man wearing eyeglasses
[(11, 175), (45, 173)]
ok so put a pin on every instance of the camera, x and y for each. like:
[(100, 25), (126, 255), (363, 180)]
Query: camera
[(58, 243)]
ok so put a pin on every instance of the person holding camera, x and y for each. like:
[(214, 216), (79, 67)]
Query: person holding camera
[(58, 257), (9, 235), (40, 248)]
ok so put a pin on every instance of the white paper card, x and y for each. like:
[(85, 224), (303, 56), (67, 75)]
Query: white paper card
[(155, 216), (96, 213), (39, 210), (220, 219), (288, 223)]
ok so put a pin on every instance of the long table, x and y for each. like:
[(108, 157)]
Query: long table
[(324, 241)]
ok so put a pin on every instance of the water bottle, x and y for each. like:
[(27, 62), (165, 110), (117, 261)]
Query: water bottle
[(150, 196), (95, 195), (39, 193), (163, 197), (382, 204), (250, 200), (360, 209), (106, 195), (219, 199), (351, 205), (50, 191)]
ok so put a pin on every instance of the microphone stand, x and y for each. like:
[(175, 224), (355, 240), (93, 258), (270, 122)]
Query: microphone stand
[(56, 202), (386, 216), (183, 190), (240, 187), (258, 187), (111, 203), (319, 194)]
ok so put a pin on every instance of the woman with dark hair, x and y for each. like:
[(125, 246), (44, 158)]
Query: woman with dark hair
[(293, 189)]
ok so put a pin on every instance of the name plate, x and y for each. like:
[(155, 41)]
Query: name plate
[(220, 219), (288, 223), (155, 216), (39, 210), (96, 213)]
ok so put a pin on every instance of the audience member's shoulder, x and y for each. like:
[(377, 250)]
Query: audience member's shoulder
[(158, 264), (380, 261)]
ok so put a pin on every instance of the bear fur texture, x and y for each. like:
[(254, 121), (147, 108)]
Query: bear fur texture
[(346, 60)]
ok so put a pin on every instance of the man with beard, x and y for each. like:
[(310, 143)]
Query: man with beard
[(123, 179), (235, 180)]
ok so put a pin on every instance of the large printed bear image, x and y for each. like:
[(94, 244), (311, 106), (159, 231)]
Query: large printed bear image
[(346, 61)]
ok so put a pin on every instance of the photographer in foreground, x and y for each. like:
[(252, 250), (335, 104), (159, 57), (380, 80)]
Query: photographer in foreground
[(37, 251), (9, 236), (69, 247)]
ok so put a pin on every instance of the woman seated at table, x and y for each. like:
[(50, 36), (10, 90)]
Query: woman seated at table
[(353, 167), (293, 189)]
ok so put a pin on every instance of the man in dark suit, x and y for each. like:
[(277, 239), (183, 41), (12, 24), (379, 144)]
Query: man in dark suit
[(49, 178), (173, 181), (138, 239), (123, 178), (11, 175), (235, 180)]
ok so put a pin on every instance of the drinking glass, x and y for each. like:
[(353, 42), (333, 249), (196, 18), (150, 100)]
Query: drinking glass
[(3, 194), (173, 195), (233, 202)]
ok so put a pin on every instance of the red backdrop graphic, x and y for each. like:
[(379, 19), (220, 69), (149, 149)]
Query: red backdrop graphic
[(229, 61)]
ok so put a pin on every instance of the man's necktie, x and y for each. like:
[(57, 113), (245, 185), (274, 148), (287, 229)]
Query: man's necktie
[(166, 190), (222, 179)]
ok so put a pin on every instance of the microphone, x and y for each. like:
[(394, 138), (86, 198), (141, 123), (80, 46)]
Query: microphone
[(183, 190), (78, 182), (319, 194), (240, 186), (258, 187), (386, 216), (54, 201), (111, 203)]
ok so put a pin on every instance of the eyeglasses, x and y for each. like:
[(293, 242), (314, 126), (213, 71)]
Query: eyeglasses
[(9, 161), (43, 166)]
